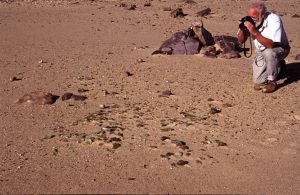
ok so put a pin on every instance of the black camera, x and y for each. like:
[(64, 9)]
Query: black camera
[(246, 19)]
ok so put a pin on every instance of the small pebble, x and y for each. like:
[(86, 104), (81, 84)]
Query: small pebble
[(178, 154), (182, 162), (214, 111), (163, 138), (141, 60), (12, 79)]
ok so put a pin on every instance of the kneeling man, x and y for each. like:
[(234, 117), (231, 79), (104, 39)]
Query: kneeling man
[(271, 45)]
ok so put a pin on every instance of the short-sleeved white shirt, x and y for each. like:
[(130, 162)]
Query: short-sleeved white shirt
[(272, 28)]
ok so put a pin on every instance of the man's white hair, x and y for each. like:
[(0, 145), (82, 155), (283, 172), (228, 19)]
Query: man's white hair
[(260, 6)]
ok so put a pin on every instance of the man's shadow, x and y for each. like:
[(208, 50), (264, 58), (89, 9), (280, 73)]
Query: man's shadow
[(291, 74)]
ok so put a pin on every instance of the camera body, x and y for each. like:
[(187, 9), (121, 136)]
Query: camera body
[(245, 19)]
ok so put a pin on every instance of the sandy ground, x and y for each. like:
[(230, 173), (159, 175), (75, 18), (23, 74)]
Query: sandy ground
[(214, 134)]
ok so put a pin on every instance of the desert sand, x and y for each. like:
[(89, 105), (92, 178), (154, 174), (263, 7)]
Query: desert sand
[(150, 124)]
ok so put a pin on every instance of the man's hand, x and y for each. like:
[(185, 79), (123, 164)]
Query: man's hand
[(268, 43), (251, 28)]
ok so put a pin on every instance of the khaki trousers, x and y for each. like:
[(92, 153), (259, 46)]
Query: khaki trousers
[(266, 65)]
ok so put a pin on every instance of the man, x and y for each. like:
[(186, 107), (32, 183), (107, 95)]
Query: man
[(271, 45)]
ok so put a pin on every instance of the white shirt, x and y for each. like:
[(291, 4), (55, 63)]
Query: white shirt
[(272, 28)]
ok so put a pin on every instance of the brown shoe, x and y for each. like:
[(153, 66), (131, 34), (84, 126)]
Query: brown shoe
[(258, 87), (270, 87)]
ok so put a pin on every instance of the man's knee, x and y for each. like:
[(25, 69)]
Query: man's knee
[(274, 54)]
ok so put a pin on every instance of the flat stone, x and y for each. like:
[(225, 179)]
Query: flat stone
[(38, 97)]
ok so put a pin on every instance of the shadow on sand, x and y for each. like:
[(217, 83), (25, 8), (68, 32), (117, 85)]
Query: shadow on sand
[(291, 74)]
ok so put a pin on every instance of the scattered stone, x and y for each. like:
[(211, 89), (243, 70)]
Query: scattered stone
[(79, 97), (38, 97), (141, 60), (129, 74), (178, 154), (189, 1), (68, 96), (199, 162), (132, 7), (184, 147), (178, 13), (42, 61), (167, 9), (12, 79), (296, 16), (167, 155), (116, 145), (214, 110), (167, 129), (148, 4), (166, 93), (210, 99), (204, 12), (82, 90), (88, 141), (131, 178), (297, 57), (172, 166), (178, 143), (163, 138), (49, 136), (115, 139), (220, 143), (227, 105), (182, 162), (54, 151)]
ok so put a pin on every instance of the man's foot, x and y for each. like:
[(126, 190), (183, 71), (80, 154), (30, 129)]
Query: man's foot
[(270, 87), (258, 87)]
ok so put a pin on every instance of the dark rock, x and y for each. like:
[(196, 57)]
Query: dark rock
[(180, 43), (115, 139), (131, 178), (79, 97), (66, 96), (220, 143), (163, 138), (214, 110), (178, 143), (178, 13), (166, 93), (167, 129), (204, 12), (116, 145), (129, 73), (81, 90), (297, 57), (189, 2), (182, 162), (208, 51), (12, 79), (132, 7), (296, 16), (148, 4), (167, 9), (38, 97), (227, 46)]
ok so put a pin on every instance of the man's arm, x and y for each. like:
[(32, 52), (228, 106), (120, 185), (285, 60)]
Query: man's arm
[(268, 43), (242, 36)]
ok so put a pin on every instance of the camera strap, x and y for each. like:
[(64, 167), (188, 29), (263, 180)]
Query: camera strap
[(244, 48)]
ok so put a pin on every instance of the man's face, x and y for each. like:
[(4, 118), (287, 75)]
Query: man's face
[(254, 14)]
